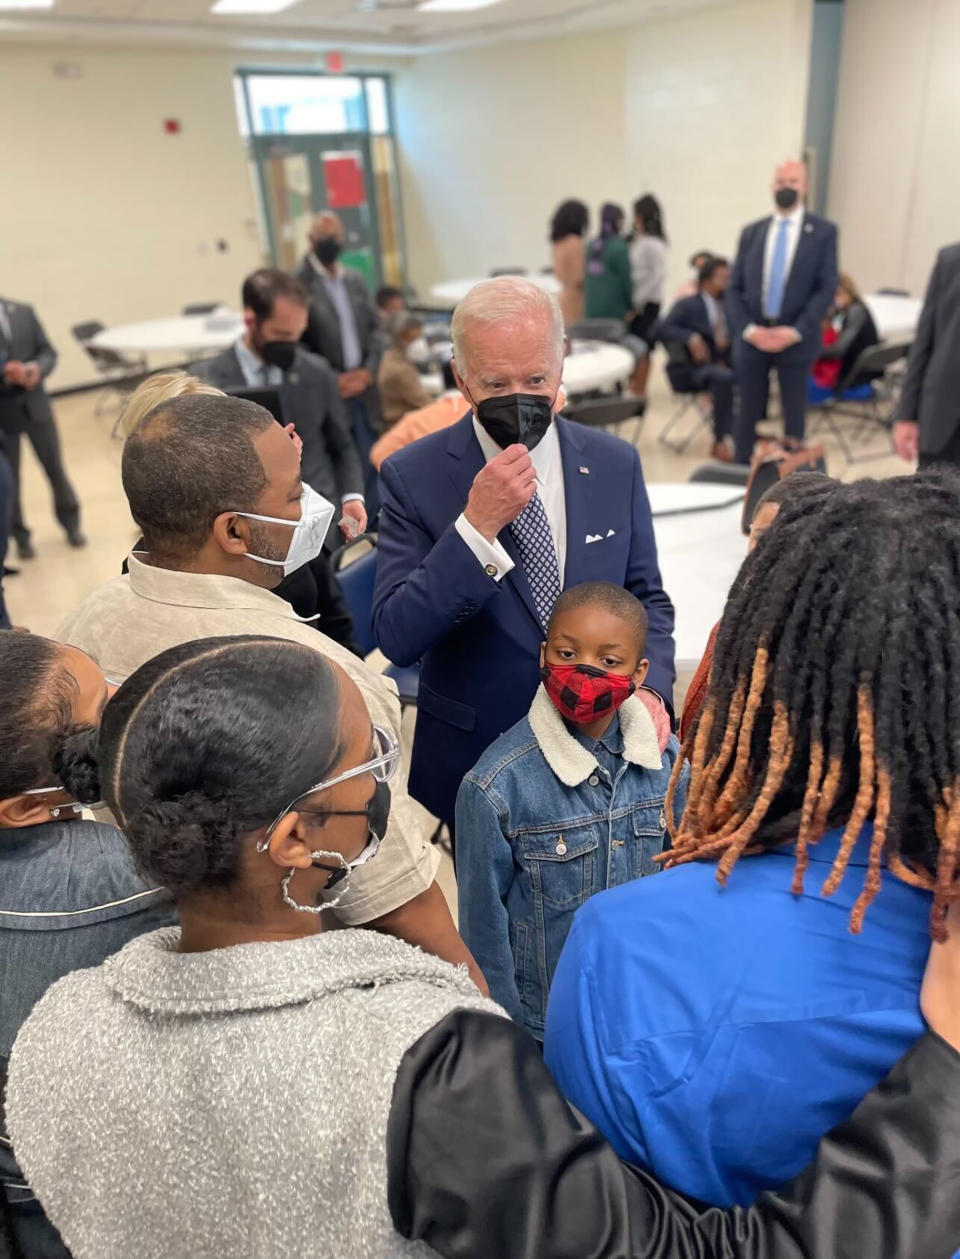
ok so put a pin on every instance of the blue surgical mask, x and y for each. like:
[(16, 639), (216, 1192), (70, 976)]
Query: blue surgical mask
[(309, 531)]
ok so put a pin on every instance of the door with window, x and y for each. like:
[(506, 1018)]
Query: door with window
[(348, 166)]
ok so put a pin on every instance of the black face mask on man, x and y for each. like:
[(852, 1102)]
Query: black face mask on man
[(515, 417), (279, 354), (327, 249), (786, 198)]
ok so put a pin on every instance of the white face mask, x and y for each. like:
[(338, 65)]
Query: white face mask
[(419, 351), (309, 531)]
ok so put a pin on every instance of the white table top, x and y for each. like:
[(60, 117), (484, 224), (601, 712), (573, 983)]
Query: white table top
[(895, 317), (452, 291), (180, 333), (700, 553), (595, 365)]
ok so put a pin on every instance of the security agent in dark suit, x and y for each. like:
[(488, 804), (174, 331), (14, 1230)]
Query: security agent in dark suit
[(344, 329), (699, 323), (783, 281), (26, 359), (268, 354), (928, 416)]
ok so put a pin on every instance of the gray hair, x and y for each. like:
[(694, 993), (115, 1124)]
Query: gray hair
[(400, 323), (504, 298)]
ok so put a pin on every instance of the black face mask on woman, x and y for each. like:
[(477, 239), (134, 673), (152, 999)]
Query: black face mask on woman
[(515, 417)]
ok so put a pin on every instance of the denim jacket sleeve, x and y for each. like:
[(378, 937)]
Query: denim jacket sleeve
[(683, 783), (485, 873)]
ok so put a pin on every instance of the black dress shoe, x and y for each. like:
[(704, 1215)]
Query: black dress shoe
[(25, 550), (76, 537), (10, 572)]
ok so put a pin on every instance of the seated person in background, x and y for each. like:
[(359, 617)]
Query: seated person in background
[(71, 895), (311, 590), (692, 285), (567, 803), (390, 301), (798, 485), (214, 484), (699, 323), (400, 384), (716, 1022), (446, 410), (249, 780), (267, 355), (849, 329)]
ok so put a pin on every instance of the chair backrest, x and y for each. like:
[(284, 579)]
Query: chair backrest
[(86, 331), (613, 330), (201, 308), (873, 362), (720, 474), (677, 352), (356, 580), (609, 411), (507, 271), (893, 292)]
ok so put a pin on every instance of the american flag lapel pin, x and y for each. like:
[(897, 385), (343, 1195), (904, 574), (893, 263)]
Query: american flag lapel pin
[(585, 471)]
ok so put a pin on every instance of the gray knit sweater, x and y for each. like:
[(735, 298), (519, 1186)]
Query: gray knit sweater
[(224, 1105)]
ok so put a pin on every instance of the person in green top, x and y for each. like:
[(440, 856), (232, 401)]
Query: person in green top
[(608, 291)]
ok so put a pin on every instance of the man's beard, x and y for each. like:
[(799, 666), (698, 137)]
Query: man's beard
[(260, 544)]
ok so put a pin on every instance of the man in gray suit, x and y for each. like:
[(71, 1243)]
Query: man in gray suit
[(928, 417), (267, 355), (344, 329), (26, 359)]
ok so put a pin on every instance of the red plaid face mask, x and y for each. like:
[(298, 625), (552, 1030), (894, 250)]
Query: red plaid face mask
[(582, 693)]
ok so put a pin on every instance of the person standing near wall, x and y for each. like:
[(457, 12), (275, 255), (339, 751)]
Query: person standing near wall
[(567, 230), (648, 274), (26, 359), (607, 292)]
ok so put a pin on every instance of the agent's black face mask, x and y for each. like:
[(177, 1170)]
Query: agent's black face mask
[(515, 417), (327, 249), (786, 198)]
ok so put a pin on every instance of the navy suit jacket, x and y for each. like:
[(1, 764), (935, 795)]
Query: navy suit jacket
[(479, 639), (687, 316), (810, 287)]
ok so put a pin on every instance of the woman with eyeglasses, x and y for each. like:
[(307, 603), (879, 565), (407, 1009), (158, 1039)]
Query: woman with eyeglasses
[(252, 1086), (69, 892)]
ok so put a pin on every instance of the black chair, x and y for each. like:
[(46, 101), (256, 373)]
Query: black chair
[(611, 330), (716, 473), (608, 413), (508, 271), (868, 395), (893, 292), (121, 373), (357, 577), (201, 308), (678, 353)]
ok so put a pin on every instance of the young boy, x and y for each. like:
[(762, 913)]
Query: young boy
[(568, 802)]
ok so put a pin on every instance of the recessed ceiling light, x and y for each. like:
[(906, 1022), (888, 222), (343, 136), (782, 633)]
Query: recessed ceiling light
[(249, 6), (25, 4), (454, 6)]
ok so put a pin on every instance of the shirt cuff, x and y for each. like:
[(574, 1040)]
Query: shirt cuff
[(496, 562), (797, 333), (748, 331), (351, 498)]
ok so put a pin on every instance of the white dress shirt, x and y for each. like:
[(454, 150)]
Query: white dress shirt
[(794, 221), (548, 465)]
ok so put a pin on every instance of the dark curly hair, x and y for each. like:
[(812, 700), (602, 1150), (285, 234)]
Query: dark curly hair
[(37, 695), (204, 745), (647, 211), (834, 690), (570, 219)]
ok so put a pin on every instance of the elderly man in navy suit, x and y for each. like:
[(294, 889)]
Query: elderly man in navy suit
[(485, 523), (783, 280)]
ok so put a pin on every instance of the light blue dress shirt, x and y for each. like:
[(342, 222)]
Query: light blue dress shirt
[(257, 373)]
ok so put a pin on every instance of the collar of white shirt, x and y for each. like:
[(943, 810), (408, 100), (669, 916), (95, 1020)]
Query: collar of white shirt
[(321, 270), (545, 456), (794, 218), (253, 367)]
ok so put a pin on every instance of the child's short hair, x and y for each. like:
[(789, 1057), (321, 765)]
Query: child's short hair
[(613, 599)]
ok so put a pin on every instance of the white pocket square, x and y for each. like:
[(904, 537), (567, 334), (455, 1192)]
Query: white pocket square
[(599, 537)]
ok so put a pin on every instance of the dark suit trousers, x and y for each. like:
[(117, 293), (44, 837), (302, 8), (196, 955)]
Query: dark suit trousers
[(6, 513), (364, 436), (950, 454), (42, 431), (717, 379), (753, 379)]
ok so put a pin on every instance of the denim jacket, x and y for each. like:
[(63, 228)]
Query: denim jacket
[(542, 826), (69, 897)]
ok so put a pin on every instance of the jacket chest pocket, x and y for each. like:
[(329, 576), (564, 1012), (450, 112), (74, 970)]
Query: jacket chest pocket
[(650, 837), (562, 865)]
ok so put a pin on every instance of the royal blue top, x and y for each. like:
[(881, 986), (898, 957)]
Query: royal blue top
[(715, 1034)]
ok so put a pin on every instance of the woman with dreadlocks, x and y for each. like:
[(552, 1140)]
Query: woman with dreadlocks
[(716, 1020)]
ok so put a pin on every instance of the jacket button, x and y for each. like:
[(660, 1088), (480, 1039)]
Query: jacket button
[(663, 820), (561, 848), (593, 780)]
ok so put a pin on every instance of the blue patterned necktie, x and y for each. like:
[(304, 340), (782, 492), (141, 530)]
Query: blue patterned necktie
[(531, 533), (778, 273)]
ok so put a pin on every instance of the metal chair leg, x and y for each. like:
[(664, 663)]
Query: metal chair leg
[(679, 447)]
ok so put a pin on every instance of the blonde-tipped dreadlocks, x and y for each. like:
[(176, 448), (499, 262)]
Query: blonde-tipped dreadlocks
[(834, 693)]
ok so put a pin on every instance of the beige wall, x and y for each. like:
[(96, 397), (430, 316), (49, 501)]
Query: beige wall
[(895, 176)]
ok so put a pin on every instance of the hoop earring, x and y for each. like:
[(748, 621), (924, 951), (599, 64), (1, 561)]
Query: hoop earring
[(313, 909)]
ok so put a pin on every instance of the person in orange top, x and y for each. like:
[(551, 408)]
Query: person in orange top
[(796, 485)]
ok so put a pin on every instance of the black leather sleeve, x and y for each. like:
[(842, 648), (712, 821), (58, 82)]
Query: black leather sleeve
[(486, 1159), (853, 325)]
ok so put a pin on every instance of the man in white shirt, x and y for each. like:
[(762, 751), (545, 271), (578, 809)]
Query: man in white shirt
[(783, 281), (483, 525)]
